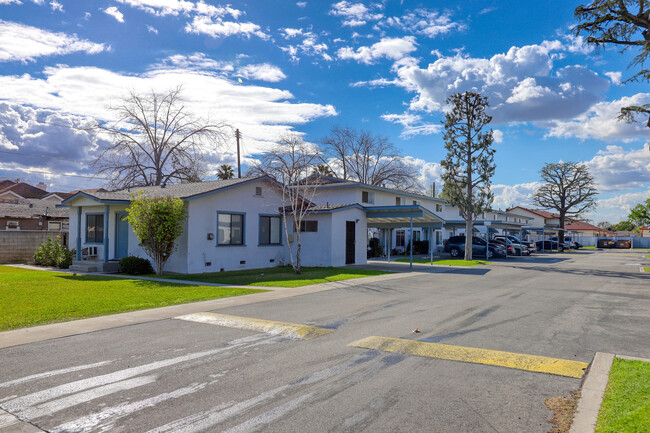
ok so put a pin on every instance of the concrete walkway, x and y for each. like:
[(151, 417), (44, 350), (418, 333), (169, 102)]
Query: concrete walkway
[(57, 330)]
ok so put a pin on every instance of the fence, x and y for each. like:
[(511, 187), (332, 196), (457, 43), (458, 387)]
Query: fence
[(20, 246), (592, 241)]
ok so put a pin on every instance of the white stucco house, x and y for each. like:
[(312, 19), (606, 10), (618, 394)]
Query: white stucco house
[(238, 224)]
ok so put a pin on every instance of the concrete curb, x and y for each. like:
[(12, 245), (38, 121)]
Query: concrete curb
[(33, 334), (593, 390)]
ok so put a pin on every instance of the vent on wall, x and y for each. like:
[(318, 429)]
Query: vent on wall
[(272, 260), (208, 263), (242, 262), (258, 190)]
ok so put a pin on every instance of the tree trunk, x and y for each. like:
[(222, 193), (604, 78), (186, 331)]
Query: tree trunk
[(560, 236), (469, 228)]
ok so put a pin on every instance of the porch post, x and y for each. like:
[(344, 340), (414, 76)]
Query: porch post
[(431, 243), (411, 241), (106, 209), (79, 233)]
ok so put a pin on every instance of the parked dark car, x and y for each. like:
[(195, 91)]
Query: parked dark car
[(531, 245), (514, 248), (549, 245), (570, 242), (455, 246)]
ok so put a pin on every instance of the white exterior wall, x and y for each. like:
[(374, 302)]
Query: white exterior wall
[(202, 220), (338, 236), (316, 246)]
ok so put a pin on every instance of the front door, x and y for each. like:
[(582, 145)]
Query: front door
[(121, 235), (350, 242)]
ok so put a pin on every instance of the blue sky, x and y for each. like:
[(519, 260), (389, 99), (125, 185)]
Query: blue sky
[(386, 67)]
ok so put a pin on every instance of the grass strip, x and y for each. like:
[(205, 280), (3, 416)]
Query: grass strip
[(278, 276), (447, 262), (30, 297), (626, 405)]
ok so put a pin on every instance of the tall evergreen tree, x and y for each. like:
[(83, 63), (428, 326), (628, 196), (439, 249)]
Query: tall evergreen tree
[(469, 165)]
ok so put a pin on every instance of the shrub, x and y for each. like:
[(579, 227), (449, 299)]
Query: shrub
[(419, 247), (133, 265), (374, 249), (54, 253)]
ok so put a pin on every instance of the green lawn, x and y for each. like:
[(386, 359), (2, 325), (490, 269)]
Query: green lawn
[(447, 262), (626, 405), (29, 297), (278, 276), (589, 248)]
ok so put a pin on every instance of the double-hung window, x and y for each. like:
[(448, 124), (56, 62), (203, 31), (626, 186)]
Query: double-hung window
[(230, 229), (95, 228), (400, 238), (270, 232)]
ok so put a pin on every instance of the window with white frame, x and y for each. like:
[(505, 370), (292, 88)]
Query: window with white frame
[(13, 225), (438, 208), (54, 225), (230, 229), (270, 232), (398, 201), (416, 202), (417, 236), (367, 197)]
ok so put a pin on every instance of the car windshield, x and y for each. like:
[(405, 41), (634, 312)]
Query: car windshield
[(514, 239)]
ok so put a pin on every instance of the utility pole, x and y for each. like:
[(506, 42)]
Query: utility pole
[(238, 136)]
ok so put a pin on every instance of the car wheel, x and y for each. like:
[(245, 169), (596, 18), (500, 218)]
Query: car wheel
[(490, 254), (455, 252)]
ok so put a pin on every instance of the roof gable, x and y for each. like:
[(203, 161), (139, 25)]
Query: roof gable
[(25, 190), (184, 191)]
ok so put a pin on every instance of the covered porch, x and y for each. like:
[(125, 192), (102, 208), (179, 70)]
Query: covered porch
[(389, 218)]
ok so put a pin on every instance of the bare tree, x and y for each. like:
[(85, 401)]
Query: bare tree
[(337, 146), (469, 165), (625, 24), (155, 141), (368, 158), (323, 170), (569, 188), (289, 163)]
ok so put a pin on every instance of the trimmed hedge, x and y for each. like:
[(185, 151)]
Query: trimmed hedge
[(133, 265)]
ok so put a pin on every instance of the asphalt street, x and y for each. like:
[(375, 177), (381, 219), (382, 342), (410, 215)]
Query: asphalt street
[(184, 376)]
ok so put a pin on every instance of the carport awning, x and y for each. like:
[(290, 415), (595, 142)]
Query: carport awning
[(492, 224), (400, 216)]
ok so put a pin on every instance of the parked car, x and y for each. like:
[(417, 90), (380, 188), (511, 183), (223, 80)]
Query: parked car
[(455, 246), (568, 241), (531, 245), (549, 245), (513, 248)]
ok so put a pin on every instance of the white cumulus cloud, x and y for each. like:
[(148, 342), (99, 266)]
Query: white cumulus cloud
[(19, 42), (355, 14), (115, 13), (390, 48), (262, 72)]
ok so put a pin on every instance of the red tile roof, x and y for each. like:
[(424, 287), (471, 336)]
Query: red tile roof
[(542, 213), (581, 225), (25, 190)]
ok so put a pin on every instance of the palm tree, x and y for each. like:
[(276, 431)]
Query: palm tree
[(225, 171), (324, 170)]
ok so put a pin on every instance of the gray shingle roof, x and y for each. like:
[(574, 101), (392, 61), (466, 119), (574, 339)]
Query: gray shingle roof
[(31, 208), (180, 190)]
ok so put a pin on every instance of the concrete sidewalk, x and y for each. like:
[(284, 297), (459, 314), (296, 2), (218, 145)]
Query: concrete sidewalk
[(57, 330)]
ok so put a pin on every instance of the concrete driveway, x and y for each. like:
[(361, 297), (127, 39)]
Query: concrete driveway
[(186, 376)]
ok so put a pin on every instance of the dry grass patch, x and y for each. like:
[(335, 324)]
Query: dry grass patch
[(563, 408)]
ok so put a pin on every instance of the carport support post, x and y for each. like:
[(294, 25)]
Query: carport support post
[(390, 240), (79, 233), (411, 241)]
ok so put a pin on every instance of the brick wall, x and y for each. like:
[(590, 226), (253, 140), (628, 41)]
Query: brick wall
[(20, 246)]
